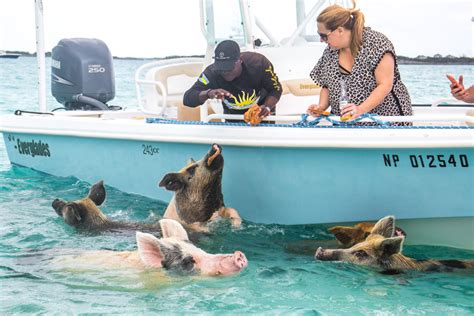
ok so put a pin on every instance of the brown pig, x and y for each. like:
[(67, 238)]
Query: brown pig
[(198, 197), (173, 252), (85, 213), (348, 236), (382, 250)]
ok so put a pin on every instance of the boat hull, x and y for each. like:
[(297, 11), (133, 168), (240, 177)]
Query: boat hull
[(277, 175), (271, 184)]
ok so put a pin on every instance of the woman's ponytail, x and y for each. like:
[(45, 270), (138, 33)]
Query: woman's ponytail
[(336, 16), (357, 21)]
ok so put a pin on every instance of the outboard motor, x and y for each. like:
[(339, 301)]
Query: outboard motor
[(82, 74)]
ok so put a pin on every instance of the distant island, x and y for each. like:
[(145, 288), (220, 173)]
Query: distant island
[(435, 60), (402, 60)]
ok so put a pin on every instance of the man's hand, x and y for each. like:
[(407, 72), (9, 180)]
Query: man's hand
[(218, 94), (265, 111)]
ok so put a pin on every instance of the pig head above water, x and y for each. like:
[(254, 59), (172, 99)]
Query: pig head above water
[(198, 196), (85, 214), (382, 250)]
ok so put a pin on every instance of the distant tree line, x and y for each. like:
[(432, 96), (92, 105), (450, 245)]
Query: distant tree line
[(403, 60)]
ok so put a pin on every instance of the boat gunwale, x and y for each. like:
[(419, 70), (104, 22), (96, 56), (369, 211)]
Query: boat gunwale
[(262, 136)]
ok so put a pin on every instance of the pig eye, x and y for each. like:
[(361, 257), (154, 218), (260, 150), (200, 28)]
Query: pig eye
[(191, 170), (361, 254), (187, 264)]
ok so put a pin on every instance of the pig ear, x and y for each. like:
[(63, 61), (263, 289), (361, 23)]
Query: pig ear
[(344, 234), (172, 182), (171, 228), (390, 246), (149, 250), (97, 193), (385, 227)]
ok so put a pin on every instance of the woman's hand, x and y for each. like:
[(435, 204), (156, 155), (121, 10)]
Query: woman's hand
[(351, 111), (315, 110)]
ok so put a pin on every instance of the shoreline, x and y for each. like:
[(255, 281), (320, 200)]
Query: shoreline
[(402, 60)]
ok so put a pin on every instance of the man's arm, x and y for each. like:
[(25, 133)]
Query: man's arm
[(199, 92), (273, 86)]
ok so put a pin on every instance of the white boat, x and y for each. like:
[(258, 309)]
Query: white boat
[(285, 173), (4, 54)]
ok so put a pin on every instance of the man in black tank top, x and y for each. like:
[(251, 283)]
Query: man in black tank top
[(238, 79)]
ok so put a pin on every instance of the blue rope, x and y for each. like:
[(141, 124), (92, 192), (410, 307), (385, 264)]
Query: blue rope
[(305, 123)]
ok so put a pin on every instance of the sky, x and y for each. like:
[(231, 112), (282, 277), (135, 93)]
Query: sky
[(160, 28)]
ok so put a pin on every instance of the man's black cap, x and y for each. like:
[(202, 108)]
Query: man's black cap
[(225, 55)]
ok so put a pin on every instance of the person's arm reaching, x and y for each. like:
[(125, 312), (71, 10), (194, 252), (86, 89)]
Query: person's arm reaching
[(318, 109), (202, 90), (459, 92)]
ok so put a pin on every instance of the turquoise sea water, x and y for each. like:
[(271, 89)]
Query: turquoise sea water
[(277, 280)]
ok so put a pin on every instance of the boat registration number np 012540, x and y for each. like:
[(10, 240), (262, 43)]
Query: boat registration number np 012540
[(427, 161)]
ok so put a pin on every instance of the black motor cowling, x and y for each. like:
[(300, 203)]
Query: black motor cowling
[(82, 74)]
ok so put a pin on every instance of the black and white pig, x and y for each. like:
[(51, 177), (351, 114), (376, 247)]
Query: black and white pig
[(198, 197), (173, 252)]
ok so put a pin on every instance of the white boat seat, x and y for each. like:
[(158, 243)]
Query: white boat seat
[(300, 87), (162, 74), (470, 112), (297, 95)]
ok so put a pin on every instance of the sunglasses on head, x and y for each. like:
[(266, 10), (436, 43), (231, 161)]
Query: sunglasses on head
[(323, 36)]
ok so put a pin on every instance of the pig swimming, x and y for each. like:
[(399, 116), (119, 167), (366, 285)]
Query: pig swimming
[(382, 250), (85, 213), (346, 237), (173, 252), (198, 197)]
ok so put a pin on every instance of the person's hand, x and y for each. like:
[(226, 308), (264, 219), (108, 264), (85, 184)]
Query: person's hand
[(218, 94), (350, 111), (315, 110), (457, 87), (265, 111)]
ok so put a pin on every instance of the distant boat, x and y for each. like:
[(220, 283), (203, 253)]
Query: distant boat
[(8, 55)]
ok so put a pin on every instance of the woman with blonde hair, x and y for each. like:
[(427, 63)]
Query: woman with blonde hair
[(361, 60)]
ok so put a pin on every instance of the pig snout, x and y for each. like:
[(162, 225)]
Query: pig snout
[(319, 255), (327, 254), (231, 264), (240, 260)]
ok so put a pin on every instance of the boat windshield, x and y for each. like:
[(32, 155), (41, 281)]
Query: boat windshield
[(262, 22), (223, 20)]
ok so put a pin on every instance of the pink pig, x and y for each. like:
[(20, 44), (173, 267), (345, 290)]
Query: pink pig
[(173, 252)]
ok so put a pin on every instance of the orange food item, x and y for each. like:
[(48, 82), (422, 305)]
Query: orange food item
[(252, 116), (319, 112), (211, 158), (346, 117)]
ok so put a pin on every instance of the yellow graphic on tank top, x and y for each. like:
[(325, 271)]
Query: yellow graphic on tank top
[(243, 100), (274, 78)]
